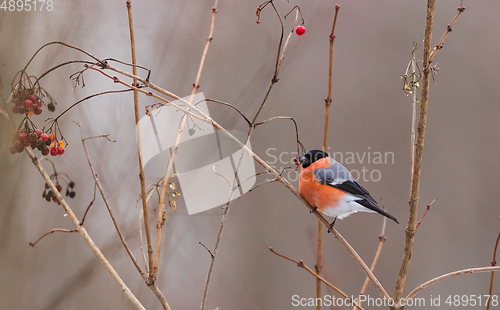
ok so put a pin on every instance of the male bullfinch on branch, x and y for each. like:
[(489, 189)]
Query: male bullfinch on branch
[(330, 188)]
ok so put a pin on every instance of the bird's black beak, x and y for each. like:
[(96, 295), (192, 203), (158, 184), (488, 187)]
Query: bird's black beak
[(304, 161)]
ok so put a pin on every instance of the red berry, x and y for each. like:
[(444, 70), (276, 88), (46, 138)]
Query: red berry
[(28, 104), (53, 151), (33, 97), (60, 150), (14, 109), (44, 137), (37, 110), (38, 132), (13, 149), (300, 30), (23, 136)]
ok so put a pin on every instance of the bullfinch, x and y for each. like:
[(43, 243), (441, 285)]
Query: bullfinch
[(330, 188)]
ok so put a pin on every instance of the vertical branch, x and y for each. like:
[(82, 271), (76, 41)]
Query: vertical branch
[(493, 263), (328, 102), (139, 147), (170, 166), (419, 147)]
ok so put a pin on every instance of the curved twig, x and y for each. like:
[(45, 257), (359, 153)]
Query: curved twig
[(449, 275)]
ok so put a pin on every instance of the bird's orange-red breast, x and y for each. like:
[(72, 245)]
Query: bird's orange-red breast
[(330, 187)]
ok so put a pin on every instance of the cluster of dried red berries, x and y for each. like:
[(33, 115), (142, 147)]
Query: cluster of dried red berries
[(46, 144), (26, 102), (49, 195)]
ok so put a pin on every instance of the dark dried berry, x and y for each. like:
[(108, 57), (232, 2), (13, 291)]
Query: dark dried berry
[(72, 194), (21, 109), (59, 187), (51, 107), (45, 150), (71, 184)]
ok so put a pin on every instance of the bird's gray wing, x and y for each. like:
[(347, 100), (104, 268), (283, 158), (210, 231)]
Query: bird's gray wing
[(339, 177)]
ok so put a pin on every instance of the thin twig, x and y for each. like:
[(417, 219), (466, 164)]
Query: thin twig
[(101, 191), (139, 151), (426, 210), (208, 250), (449, 275), (441, 42), (302, 265), (231, 106), (90, 205), (32, 244), (328, 102), (414, 85)]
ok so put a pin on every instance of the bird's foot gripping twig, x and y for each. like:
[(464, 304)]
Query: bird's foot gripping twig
[(331, 225)]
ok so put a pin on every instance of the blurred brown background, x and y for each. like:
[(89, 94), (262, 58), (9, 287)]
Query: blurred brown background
[(369, 114)]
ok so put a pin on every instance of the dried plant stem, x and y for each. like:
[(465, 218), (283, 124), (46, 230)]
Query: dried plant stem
[(53, 231), (450, 275), (414, 80), (328, 102), (170, 166), (115, 223), (493, 263), (425, 213), (412, 218), (139, 148), (83, 232), (302, 265)]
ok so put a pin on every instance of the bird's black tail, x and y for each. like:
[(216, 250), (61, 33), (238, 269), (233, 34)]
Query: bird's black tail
[(374, 207)]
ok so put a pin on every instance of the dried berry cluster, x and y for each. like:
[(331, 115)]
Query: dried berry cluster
[(49, 195), (34, 138), (27, 102)]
